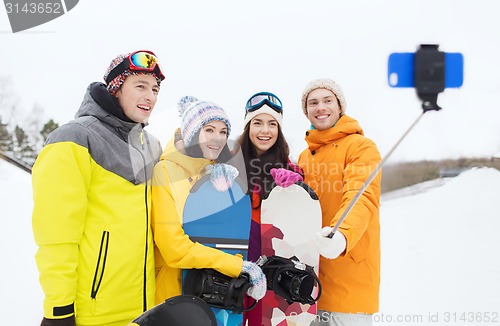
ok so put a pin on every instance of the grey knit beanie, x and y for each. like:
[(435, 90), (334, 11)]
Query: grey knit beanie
[(327, 84)]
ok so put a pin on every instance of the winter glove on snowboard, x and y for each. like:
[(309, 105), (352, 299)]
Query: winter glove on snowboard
[(256, 278), (222, 176), (68, 321), (330, 248), (285, 178)]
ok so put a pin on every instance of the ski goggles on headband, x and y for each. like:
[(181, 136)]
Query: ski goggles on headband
[(258, 100), (138, 61)]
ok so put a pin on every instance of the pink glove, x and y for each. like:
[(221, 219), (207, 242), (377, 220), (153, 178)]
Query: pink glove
[(285, 178)]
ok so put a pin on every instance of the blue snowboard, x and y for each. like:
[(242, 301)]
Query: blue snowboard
[(220, 220)]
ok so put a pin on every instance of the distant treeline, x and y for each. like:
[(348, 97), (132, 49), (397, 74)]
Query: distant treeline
[(396, 176), (22, 145), (22, 132)]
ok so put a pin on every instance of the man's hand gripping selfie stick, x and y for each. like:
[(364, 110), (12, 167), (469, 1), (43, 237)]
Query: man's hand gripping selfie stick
[(429, 81)]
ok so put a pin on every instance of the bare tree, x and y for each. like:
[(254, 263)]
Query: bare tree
[(21, 138), (6, 140), (33, 125), (9, 102), (23, 148)]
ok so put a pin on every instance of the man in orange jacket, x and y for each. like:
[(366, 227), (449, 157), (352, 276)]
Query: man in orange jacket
[(336, 164)]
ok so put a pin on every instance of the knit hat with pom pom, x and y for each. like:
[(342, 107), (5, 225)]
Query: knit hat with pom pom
[(195, 114)]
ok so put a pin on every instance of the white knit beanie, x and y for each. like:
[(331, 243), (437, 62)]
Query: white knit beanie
[(263, 109), (327, 84)]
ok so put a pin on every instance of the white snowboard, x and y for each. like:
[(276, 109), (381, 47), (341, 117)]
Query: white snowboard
[(290, 217)]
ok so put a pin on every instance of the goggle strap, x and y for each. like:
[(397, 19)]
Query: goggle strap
[(263, 97), (117, 71), (270, 104)]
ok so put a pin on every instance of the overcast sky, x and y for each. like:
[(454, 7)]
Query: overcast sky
[(224, 51)]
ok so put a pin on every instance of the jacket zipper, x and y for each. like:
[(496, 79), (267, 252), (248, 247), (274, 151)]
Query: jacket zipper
[(144, 285), (145, 303), (101, 264)]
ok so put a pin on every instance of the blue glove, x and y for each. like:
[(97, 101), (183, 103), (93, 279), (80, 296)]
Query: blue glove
[(256, 278)]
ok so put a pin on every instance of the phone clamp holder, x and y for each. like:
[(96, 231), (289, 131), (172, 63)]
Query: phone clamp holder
[(429, 74)]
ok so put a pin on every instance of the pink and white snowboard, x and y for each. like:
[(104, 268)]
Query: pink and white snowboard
[(290, 217)]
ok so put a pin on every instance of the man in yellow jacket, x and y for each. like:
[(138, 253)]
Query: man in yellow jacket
[(337, 162), (92, 202)]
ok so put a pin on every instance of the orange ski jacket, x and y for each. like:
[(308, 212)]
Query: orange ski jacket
[(336, 164)]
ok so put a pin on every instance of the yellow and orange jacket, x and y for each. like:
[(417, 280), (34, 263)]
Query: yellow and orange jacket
[(336, 164), (173, 178), (91, 218)]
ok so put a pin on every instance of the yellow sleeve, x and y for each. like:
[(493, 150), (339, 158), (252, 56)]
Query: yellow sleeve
[(60, 180), (176, 248)]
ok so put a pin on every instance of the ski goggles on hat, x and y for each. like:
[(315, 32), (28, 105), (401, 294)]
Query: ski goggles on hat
[(258, 100), (138, 61)]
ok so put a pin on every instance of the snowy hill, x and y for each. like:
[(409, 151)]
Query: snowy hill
[(414, 189), (20, 293), (440, 251)]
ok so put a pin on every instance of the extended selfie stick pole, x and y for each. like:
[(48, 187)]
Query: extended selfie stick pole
[(371, 177), (429, 81)]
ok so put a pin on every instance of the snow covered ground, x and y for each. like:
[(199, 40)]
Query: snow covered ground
[(20, 293), (440, 252)]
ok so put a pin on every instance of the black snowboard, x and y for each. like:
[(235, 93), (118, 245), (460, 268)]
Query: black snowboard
[(181, 310)]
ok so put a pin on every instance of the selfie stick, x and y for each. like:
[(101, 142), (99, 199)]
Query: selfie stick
[(429, 82), (371, 177)]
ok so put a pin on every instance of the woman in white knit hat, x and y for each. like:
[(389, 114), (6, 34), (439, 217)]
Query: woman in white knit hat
[(266, 152), (194, 151), (349, 268)]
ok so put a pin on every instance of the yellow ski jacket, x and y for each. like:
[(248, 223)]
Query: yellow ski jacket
[(91, 218)]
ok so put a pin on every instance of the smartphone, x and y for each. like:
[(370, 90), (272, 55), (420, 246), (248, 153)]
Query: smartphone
[(400, 72)]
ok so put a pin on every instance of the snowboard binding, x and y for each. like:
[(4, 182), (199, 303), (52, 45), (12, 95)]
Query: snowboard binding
[(290, 278), (218, 290)]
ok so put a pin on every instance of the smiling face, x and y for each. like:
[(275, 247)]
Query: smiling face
[(263, 132), (137, 96), (323, 108), (212, 139)]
